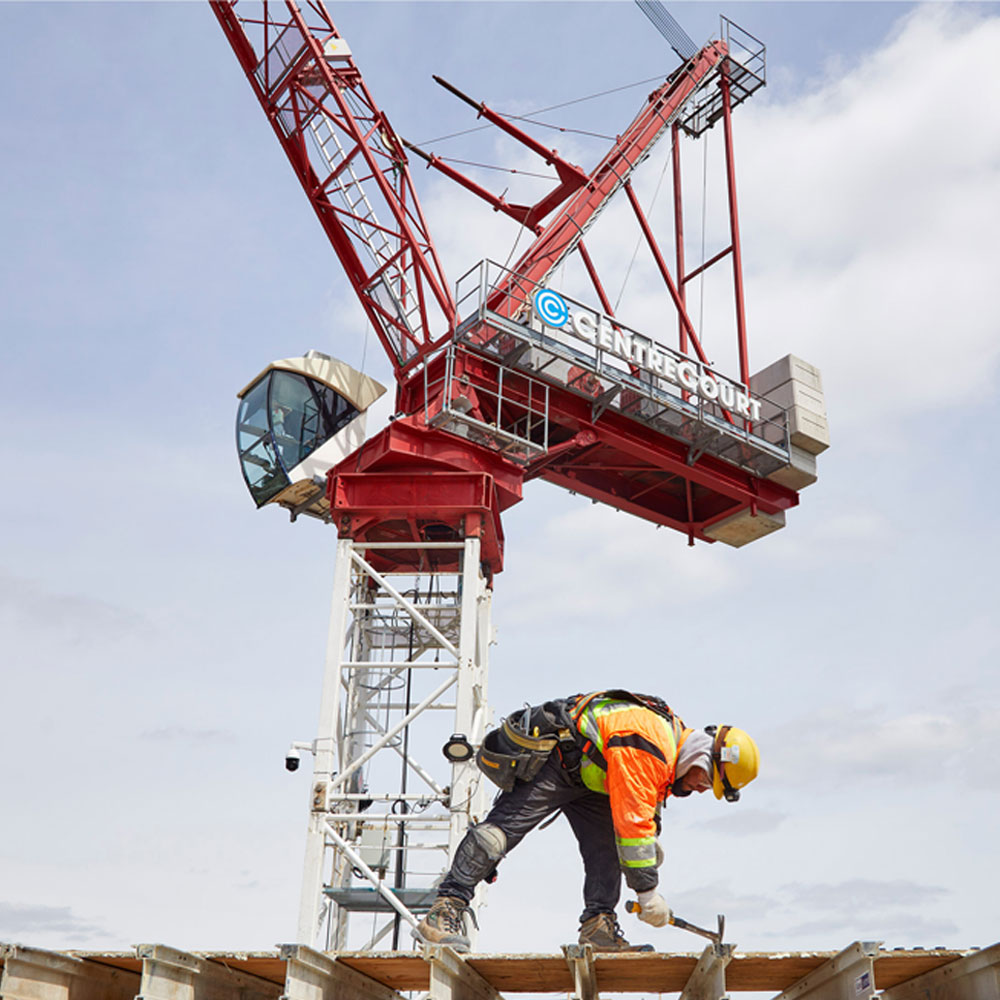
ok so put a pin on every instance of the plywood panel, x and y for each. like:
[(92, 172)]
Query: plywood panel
[(655, 972)]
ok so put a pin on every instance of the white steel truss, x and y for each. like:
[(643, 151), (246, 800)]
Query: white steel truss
[(406, 651)]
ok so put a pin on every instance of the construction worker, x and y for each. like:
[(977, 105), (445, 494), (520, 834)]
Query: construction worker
[(607, 760)]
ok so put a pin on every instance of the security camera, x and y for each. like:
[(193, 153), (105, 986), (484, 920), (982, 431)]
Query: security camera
[(294, 754)]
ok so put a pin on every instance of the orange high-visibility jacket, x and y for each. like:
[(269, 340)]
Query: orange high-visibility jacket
[(630, 753)]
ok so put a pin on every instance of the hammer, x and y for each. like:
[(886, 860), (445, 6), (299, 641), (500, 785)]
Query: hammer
[(632, 906)]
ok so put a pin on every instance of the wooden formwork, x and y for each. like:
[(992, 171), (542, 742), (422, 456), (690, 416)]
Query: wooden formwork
[(294, 972)]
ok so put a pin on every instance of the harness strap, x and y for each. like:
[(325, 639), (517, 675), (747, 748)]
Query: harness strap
[(730, 793)]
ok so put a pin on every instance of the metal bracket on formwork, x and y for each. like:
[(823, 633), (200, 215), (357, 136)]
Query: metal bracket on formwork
[(311, 975), (453, 979), (847, 976), (708, 981), (170, 974), (972, 977), (580, 959), (34, 974)]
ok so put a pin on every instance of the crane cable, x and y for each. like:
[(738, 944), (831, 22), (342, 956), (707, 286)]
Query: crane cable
[(531, 121), (517, 239), (704, 204), (551, 107), (489, 166), (364, 343), (635, 252)]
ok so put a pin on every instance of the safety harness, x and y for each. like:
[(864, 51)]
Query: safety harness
[(520, 746), (578, 704)]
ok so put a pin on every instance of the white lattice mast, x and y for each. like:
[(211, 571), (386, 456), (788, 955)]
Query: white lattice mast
[(407, 651)]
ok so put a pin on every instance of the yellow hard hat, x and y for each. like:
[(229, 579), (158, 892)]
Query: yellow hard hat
[(735, 760)]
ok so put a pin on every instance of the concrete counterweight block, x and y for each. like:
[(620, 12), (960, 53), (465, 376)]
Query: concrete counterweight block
[(795, 386), (743, 527)]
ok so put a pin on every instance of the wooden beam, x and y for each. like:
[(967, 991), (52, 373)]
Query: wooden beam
[(34, 974)]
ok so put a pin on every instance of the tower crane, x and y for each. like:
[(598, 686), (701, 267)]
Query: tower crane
[(499, 380)]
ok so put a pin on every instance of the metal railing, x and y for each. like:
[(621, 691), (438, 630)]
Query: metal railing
[(514, 416), (622, 370), (746, 67)]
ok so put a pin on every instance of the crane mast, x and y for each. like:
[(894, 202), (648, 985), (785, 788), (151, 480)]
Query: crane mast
[(501, 381)]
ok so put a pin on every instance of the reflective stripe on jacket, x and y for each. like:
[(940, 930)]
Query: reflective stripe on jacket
[(629, 755)]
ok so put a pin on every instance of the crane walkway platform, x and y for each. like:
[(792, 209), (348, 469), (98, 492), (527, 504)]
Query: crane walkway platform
[(295, 972)]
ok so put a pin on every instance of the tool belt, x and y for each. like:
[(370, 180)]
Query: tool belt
[(519, 747)]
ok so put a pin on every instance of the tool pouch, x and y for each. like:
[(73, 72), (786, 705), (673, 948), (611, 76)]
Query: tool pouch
[(517, 750)]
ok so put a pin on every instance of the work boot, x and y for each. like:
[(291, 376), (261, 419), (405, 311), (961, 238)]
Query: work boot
[(603, 934), (444, 924)]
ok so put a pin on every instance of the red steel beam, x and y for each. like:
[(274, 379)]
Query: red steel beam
[(675, 156), (385, 167), (665, 274), (566, 229), (734, 229)]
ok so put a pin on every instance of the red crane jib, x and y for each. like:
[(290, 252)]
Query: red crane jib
[(352, 168), (411, 480)]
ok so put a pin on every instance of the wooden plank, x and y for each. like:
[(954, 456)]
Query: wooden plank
[(652, 972), (657, 972), (399, 971), (524, 973), (765, 971), (269, 967), (895, 967), (262, 964)]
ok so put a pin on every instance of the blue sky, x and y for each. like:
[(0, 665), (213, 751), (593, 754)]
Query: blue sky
[(163, 640)]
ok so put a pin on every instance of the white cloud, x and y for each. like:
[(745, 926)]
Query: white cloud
[(74, 619), (597, 563), (871, 209), (852, 894), (743, 823), (840, 746), (25, 921)]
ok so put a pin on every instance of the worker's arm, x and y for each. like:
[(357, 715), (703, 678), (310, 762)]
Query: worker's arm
[(638, 771)]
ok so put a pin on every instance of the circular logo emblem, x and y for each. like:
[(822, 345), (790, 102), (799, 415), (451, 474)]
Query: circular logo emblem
[(551, 307)]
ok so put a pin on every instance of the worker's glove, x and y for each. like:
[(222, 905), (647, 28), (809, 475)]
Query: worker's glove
[(654, 909), (659, 854)]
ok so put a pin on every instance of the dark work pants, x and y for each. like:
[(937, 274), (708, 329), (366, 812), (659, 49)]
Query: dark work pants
[(589, 813)]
